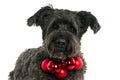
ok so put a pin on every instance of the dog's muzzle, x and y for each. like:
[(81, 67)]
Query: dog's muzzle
[(61, 44)]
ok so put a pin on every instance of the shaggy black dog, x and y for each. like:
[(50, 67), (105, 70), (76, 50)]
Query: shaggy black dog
[(62, 31)]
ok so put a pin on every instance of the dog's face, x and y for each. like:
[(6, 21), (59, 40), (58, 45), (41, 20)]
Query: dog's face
[(63, 29)]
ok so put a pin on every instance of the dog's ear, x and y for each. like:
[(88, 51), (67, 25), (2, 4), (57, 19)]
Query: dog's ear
[(40, 17), (87, 19)]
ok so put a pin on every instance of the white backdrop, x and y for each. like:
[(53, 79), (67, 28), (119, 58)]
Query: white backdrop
[(101, 51)]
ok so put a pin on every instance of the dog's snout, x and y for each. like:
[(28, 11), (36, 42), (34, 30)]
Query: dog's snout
[(60, 42)]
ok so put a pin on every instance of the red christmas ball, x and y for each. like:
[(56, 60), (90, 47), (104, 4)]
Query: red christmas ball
[(57, 70), (71, 67), (44, 65), (62, 74), (71, 61), (71, 64), (50, 65), (78, 63)]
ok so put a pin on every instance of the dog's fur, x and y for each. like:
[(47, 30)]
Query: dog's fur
[(62, 32)]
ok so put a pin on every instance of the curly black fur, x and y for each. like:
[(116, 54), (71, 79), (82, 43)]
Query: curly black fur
[(58, 25), (28, 67)]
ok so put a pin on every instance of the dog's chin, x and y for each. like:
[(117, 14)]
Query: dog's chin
[(58, 53)]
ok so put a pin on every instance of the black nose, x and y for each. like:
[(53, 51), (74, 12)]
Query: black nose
[(61, 42)]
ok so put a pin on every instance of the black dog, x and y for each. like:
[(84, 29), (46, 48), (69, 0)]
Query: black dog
[(62, 32)]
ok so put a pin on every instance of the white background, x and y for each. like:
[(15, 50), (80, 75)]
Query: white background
[(101, 51)]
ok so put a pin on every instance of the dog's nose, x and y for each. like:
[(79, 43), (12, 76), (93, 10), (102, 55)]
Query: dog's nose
[(60, 42)]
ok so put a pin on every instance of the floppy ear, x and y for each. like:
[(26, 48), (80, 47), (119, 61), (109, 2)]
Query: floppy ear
[(40, 17), (87, 19)]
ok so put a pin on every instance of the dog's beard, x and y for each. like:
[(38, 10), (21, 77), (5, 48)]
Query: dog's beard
[(70, 50)]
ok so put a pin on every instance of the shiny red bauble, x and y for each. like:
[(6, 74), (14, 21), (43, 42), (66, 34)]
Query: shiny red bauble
[(62, 74), (71, 64), (78, 63), (44, 65)]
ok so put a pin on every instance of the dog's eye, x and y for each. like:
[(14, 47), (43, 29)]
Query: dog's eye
[(72, 29)]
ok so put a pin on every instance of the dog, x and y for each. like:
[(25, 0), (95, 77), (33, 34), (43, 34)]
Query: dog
[(61, 33)]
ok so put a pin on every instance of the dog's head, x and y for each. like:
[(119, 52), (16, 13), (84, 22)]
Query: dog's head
[(63, 29)]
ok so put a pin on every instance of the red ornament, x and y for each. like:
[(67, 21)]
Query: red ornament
[(61, 70), (44, 65), (71, 64), (50, 65), (78, 63), (62, 74)]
